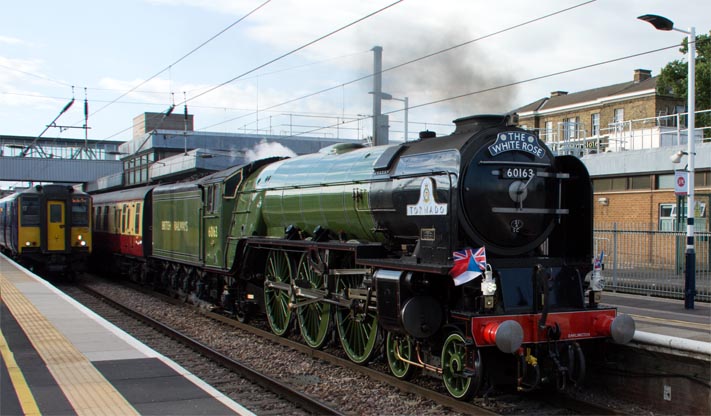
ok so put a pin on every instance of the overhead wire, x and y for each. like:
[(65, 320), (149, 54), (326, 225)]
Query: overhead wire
[(293, 51), (184, 56), (441, 51), (498, 87), (282, 56)]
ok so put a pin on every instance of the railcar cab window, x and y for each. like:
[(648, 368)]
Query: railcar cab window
[(29, 211), (80, 211), (55, 214)]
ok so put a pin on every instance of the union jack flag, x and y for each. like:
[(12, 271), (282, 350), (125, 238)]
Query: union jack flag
[(597, 264), (468, 265)]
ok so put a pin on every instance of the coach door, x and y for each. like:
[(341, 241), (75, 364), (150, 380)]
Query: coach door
[(56, 240)]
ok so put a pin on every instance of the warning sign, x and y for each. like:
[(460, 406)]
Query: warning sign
[(681, 181)]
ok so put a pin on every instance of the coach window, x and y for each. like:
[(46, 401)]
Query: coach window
[(124, 212), (105, 223), (137, 219)]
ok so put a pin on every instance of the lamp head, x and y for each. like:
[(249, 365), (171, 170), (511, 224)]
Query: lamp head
[(659, 22), (676, 157)]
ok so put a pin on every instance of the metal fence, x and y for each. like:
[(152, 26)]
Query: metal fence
[(640, 259)]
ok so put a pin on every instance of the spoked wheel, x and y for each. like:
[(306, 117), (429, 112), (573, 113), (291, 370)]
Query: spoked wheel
[(461, 386), (314, 318), (357, 325), (402, 345), (277, 300)]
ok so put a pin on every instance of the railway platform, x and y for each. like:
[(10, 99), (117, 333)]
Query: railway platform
[(60, 358), (664, 317)]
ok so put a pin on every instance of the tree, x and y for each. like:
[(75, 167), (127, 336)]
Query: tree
[(673, 78)]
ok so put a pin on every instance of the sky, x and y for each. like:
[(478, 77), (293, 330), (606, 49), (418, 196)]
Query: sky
[(133, 56)]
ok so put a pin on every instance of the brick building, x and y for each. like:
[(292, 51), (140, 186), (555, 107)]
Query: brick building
[(595, 118), (625, 133)]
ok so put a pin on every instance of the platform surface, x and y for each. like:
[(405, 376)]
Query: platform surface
[(664, 316), (60, 358)]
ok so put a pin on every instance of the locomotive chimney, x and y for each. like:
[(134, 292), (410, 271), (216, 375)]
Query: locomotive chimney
[(474, 124), (427, 134)]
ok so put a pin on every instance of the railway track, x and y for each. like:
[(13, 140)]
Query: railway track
[(257, 391), (430, 401)]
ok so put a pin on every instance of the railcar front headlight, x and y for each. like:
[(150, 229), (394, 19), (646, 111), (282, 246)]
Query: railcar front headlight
[(79, 237), (82, 243), (28, 243)]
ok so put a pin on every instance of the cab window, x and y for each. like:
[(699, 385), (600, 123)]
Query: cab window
[(80, 211), (29, 211)]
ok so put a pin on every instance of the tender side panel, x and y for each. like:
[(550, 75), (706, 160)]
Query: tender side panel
[(177, 218)]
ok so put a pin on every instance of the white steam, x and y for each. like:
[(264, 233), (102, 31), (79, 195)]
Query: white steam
[(265, 149)]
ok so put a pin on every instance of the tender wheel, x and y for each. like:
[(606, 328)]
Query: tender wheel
[(357, 325), (314, 318), (276, 300), (461, 386), (402, 344)]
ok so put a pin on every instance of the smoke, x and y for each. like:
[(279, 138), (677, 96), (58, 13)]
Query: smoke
[(265, 149), (463, 70)]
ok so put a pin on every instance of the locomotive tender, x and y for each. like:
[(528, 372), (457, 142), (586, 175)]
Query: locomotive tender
[(363, 239), (47, 227)]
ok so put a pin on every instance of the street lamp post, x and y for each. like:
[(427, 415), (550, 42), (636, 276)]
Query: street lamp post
[(386, 96), (662, 23)]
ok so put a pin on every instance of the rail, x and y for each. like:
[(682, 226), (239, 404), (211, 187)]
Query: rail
[(269, 383)]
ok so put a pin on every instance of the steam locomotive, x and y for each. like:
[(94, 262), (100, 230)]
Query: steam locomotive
[(47, 227), (464, 255)]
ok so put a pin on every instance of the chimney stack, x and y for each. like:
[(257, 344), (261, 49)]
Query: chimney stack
[(642, 75)]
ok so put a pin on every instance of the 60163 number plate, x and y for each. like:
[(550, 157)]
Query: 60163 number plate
[(517, 173)]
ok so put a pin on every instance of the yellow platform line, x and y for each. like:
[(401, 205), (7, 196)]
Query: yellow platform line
[(85, 387), (24, 395)]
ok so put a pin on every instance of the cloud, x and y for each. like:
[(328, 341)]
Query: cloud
[(7, 40)]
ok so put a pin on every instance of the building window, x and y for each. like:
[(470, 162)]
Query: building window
[(619, 115), (665, 182), (595, 124), (618, 119), (667, 217), (570, 126), (619, 184), (640, 182), (549, 131)]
